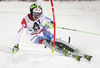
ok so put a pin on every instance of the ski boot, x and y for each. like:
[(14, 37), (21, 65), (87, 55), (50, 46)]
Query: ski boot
[(66, 52), (88, 57)]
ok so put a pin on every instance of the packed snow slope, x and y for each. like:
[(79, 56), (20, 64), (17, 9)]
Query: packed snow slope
[(84, 15)]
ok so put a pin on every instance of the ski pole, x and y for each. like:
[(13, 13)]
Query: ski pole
[(49, 24), (78, 31)]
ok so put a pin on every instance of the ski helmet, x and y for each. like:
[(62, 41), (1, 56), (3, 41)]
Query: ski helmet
[(35, 10)]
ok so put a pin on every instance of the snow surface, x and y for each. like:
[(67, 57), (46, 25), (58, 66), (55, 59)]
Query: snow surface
[(82, 15)]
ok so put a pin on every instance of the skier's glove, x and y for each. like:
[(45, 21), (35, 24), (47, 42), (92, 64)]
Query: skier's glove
[(49, 25), (15, 48)]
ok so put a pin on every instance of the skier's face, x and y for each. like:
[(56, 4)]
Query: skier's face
[(36, 15)]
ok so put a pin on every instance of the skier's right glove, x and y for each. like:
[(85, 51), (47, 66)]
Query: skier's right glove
[(15, 48)]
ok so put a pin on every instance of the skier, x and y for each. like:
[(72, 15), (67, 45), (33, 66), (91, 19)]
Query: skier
[(35, 30), (37, 33)]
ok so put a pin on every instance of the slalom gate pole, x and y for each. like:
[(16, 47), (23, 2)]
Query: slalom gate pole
[(54, 26), (72, 29)]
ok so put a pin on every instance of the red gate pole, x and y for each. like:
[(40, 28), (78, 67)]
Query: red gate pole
[(54, 26)]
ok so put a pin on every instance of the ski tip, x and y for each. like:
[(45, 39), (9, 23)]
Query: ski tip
[(78, 58), (88, 57)]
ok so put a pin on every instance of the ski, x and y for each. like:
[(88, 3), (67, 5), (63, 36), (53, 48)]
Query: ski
[(76, 56), (70, 54), (88, 57)]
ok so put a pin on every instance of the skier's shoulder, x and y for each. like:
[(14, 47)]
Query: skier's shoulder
[(28, 17), (46, 16), (42, 15)]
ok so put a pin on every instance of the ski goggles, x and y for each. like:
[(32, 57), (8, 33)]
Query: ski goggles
[(37, 14)]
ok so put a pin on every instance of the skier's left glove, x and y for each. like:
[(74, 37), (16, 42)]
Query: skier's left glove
[(15, 48), (49, 25)]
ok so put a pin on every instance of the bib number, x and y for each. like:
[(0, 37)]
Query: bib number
[(36, 26)]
